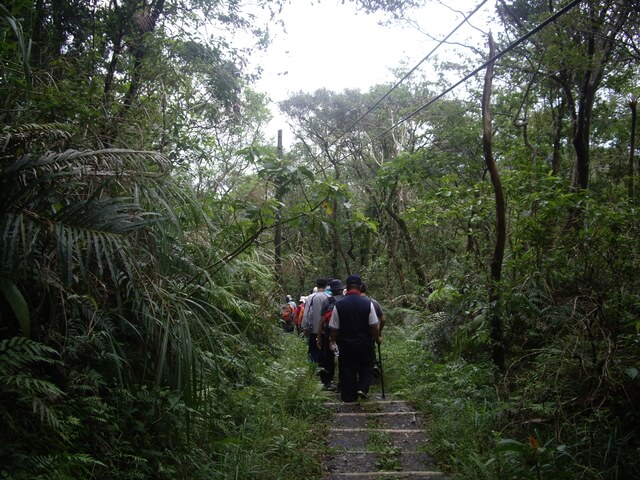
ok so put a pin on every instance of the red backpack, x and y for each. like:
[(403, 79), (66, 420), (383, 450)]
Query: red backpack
[(287, 314)]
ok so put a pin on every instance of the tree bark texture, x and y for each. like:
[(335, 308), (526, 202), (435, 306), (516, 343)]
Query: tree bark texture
[(558, 115), (633, 106), (277, 233), (498, 253)]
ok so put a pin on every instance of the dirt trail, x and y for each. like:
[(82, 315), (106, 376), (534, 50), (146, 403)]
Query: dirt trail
[(377, 439)]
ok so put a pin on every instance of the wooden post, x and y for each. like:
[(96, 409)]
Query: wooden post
[(633, 105), (277, 237)]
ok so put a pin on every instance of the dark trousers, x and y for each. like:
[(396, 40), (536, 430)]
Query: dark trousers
[(315, 355), (328, 363), (355, 369)]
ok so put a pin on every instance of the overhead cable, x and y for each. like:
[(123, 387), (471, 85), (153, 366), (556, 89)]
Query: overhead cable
[(408, 74), (498, 55)]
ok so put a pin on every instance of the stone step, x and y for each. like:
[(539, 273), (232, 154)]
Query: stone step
[(358, 438), (361, 461), (373, 414), (369, 406), (390, 420), (367, 402), (377, 439), (422, 475), (388, 430)]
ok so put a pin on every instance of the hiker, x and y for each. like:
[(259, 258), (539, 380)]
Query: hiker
[(290, 301), (328, 364), (380, 314), (287, 314), (353, 325), (311, 319), (300, 313)]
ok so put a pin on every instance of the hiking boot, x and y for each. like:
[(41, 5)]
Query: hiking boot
[(362, 395), (332, 387)]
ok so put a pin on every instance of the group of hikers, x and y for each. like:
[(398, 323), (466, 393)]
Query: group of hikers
[(339, 320)]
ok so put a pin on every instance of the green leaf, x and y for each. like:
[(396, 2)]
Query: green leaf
[(18, 305), (632, 372), (510, 445)]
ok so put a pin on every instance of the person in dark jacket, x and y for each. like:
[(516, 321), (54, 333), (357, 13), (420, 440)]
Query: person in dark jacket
[(354, 324)]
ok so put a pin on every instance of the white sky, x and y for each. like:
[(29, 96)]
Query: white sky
[(331, 45)]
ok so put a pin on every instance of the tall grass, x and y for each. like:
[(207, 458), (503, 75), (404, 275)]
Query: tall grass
[(483, 429), (272, 420)]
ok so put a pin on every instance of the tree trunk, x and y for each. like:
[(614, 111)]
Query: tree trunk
[(604, 23), (498, 253), (414, 255), (277, 233), (581, 139), (146, 23), (335, 231), (557, 136), (633, 105)]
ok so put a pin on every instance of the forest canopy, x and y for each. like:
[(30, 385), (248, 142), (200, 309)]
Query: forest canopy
[(149, 231)]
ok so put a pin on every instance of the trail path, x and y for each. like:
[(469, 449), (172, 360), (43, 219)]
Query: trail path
[(377, 439)]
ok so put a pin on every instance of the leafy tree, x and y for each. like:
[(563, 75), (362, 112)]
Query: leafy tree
[(580, 64)]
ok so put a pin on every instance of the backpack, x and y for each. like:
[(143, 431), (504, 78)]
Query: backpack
[(328, 310), (287, 316)]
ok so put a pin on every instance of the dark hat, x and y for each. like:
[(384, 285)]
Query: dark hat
[(336, 286), (354, 280)]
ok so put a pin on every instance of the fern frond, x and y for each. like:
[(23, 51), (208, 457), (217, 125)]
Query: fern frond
[(45, 412), (33, 132), (63, 466), (112, 162), (27, 385), (17, 353)]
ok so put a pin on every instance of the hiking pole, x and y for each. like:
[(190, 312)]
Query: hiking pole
[(381, 372)]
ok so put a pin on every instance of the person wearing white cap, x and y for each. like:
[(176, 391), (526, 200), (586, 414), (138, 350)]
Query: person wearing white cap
[(300, 313)]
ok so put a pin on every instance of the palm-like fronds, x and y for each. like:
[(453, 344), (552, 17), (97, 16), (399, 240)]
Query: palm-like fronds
[(80, 224), (105, 257), (67, 219)]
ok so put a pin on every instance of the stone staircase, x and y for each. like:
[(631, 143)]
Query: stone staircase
[(377, 439)]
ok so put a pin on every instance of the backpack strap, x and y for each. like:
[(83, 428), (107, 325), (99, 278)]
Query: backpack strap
[(326, 315)]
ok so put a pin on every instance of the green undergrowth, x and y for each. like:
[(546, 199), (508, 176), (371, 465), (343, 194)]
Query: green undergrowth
[(457, 399), (482, 427), (272, 419), (254, 427)]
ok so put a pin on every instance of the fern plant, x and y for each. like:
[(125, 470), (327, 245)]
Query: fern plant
[(32, 413), (109, 261)]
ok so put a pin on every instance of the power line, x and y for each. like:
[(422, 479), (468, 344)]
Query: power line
[(498, 55), (408, 74)]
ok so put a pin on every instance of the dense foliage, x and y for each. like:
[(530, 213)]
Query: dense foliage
[(419, 221), (139, 278)]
